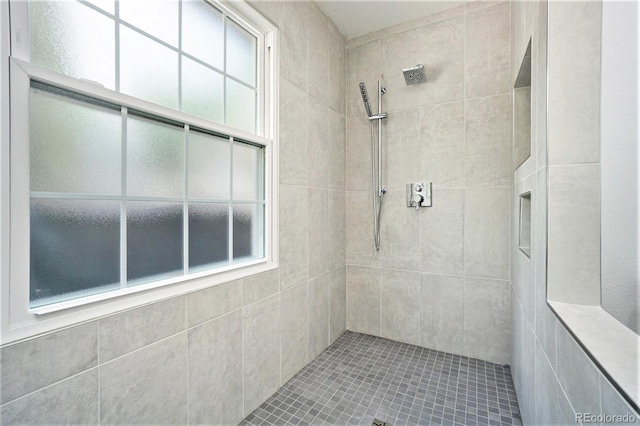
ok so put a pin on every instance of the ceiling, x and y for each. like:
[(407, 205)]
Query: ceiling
[(354, 18)]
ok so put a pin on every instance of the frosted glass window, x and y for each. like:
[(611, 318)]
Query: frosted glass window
[(248, 227), (75, 145), (241, 107), (158, 18), (241, 53), (71, 38), (247, 172), (148, 70), (203, 32), (155, 158), (208, 234), (74, 247), (154, 240), (209, 166), (202, 91)]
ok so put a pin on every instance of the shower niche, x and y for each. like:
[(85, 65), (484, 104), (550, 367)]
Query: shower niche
[(522, 112)]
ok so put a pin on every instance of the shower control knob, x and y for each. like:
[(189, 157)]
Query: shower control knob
[(418, 199)]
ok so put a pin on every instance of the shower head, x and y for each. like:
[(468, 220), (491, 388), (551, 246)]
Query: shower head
[(414, 75), (365, 98)]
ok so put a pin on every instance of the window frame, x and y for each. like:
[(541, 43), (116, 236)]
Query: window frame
[(18, 320)]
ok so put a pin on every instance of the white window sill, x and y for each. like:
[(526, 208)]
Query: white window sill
[(614, 347)]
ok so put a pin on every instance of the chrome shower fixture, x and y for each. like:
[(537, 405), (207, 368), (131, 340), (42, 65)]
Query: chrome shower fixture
[(414, 75), (365, 98)]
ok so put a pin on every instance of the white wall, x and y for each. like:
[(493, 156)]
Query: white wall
[(619, 162)]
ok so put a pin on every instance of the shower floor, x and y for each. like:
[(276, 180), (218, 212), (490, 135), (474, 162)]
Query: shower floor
[(361, 378)]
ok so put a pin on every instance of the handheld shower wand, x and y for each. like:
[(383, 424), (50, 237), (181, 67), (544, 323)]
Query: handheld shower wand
[(365, 98)]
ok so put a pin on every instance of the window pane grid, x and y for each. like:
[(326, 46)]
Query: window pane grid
[(134, 233), (243, 114)]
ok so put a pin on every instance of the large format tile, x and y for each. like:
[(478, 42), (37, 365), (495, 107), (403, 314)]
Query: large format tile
[(148, 386), (293, 235), (552, 407), (441, 313), (486, 233), (577, 375), (72, 401), (215, 371), (574, 234), (400, 302), (363, 300), (261, 351), (487, 52), (574, 82), (363, 64), (486, 320), (488, 141), (131, 330), (401, 149), (337, 151), (613, 403), (338, 303), (293, 42), (337, 70), (442, 232), (257, 287), (337, 229), (318, 54), (318, 171), (358, 161), (294, 134), (318, 315), (361, 248), (442, 52), (213, 302), (294, 333), (36, 363), (442, 145), (400, 235), (319, 238), (401, 50)]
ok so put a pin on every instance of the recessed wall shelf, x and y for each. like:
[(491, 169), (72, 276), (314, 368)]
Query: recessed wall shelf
[(524, 241)]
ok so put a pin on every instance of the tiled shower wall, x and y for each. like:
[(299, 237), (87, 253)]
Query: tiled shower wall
[(441, 277), (553, 376), (214, 356)]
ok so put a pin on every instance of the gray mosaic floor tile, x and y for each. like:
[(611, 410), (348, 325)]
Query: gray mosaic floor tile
[(361, 378)]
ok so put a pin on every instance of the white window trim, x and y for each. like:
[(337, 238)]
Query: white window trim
[(17, 321)]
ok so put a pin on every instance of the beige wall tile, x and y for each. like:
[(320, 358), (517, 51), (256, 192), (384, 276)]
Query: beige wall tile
[(358, 160), (318, 315), (293, 42), (401, 50), (293, 235), (156, 379), (486, 233), (488, 141), (319, 238), (294, 335), (257, 287), (441, 313), (574, 234), (442, 145), (294, 134), (363, 64), (337, 229), (318, 172), (338, 303), (442, 53), (360, 240), (261, 351), (72, 401), (33, 364), (363, 300), (401, 149), (487, 54), (551, 405), (400, 301), (442, 233), (213, 302), (318, 54), (400, 235), (337, 151), (486, 320), (215, 371), (337, 70)]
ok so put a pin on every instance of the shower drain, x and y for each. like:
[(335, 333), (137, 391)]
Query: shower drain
[(377, 422)]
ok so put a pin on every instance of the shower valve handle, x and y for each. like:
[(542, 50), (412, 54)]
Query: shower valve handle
[(418, 199)]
